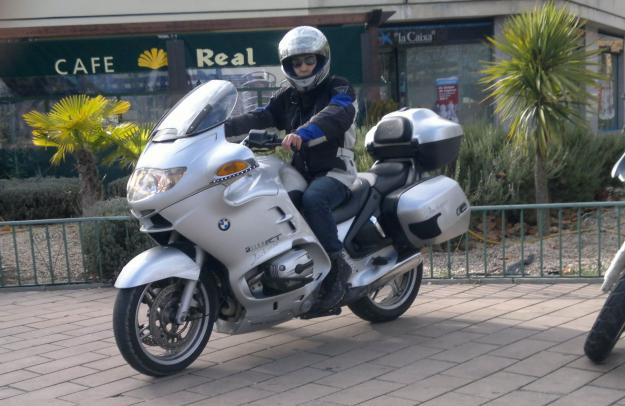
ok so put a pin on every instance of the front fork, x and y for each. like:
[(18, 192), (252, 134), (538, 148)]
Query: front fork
[(189, 288)]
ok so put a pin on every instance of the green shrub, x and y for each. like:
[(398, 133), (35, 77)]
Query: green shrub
[(493, 171), (109, 245), (586, 169), (378, 108), (489, 170), (35, 162), (117, 188), (39, 198), (362, 158)]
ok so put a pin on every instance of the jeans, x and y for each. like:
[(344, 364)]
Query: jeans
[(322, 196)]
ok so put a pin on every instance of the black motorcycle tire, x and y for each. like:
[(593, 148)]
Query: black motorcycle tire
[(125, 331), (608, 326), (368, 310)]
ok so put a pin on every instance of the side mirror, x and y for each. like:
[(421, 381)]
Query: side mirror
[(618, 171)]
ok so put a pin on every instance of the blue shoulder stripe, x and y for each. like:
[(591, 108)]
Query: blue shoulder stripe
[(309, 132), (342, 100)]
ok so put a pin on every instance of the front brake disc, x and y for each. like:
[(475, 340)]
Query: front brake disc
[(163, 328)]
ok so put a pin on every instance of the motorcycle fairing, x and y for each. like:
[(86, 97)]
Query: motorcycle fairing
[(155, 264)]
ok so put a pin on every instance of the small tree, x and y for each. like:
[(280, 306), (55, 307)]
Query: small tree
[(79, 125), (128, 145), (541, 83)]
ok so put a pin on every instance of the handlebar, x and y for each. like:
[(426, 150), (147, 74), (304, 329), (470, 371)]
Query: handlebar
[(262, 139)]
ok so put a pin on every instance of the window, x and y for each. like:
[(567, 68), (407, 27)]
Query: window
[(437, 66), (608, 103), (445, 78)]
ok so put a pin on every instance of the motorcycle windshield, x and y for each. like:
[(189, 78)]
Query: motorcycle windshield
[(203, 108)]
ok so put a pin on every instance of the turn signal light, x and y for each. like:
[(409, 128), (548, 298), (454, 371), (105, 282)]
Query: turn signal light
[(231, 168)]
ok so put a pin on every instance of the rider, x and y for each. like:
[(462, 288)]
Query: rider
[(317, 113)]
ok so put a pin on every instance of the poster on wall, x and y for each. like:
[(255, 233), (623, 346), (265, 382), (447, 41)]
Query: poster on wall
[(606, 101), (447, 97), (607, 109)]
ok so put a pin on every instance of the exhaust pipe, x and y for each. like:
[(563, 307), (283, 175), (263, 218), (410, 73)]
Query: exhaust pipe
[(370, 280), (404, 266)]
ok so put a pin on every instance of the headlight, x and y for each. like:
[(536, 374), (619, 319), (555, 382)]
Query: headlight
[(146, 182)]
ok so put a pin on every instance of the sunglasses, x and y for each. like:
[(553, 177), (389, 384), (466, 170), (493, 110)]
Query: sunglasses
[(309, 60)]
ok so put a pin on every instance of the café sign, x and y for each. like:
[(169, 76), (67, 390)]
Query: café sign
[(77, 66), (151, 59), (210, 50)]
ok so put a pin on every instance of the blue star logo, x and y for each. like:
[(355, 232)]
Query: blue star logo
[(385, 38)]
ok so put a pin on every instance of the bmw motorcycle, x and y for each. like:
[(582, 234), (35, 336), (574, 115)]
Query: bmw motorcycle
[(610, 322), (233, 250)]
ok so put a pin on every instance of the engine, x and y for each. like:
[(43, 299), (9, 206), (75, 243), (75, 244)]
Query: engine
[(284, 273)]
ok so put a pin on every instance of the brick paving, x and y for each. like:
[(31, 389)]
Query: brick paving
[(459, 344)]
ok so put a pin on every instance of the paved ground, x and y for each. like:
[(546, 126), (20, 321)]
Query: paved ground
[(496, 344)]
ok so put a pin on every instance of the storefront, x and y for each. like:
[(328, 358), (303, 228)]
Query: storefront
[(434, 64), (151, 71), (437, 66)]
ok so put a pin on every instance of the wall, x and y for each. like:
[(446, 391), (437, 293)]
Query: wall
[(29, 13)]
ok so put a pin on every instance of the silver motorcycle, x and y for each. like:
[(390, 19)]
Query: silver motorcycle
[(233, 250), (610, 322)]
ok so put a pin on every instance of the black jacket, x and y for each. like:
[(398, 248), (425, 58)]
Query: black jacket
[(320, 116)]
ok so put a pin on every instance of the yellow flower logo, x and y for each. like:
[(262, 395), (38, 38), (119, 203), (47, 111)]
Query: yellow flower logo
[(152, 59)]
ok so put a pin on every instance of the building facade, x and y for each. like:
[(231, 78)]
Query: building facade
[(416, 52)]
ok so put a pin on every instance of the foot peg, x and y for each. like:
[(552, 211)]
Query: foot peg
[(354, 294), (322, 313), (379, 261)]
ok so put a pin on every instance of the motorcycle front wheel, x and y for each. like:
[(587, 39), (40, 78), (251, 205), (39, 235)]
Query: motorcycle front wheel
[(391, 300), (145, 330), (608, 326)]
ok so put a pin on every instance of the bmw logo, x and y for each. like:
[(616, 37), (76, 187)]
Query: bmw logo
[(223, 224)]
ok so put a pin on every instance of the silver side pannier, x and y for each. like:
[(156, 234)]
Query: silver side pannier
[(435, 209)]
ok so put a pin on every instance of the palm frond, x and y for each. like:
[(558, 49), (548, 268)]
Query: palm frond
[(77, 122), (130, 141), (37, 120), (118, 107)]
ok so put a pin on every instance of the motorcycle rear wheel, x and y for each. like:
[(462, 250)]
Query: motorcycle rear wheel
[(145, 331), (396, 297), (608, 326)]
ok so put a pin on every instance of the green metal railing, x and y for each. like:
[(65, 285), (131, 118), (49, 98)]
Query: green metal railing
[(56, 251), (512, 241), (515, 241)]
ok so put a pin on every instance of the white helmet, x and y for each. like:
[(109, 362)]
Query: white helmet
[(305, 40)]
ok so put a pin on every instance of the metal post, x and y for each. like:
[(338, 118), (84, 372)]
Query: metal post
[(49, 254), (69, 274), (485, 237), (522, 243), (560, 238), (32, 252), (503, 242), (17, 261)]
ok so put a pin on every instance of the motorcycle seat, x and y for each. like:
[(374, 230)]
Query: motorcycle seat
[(359, 192), (386, 176)]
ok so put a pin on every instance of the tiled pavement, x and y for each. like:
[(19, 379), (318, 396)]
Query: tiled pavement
[(459, 344)]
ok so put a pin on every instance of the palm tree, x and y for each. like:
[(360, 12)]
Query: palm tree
[(79, 125), (128, 145), (541, 83)]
